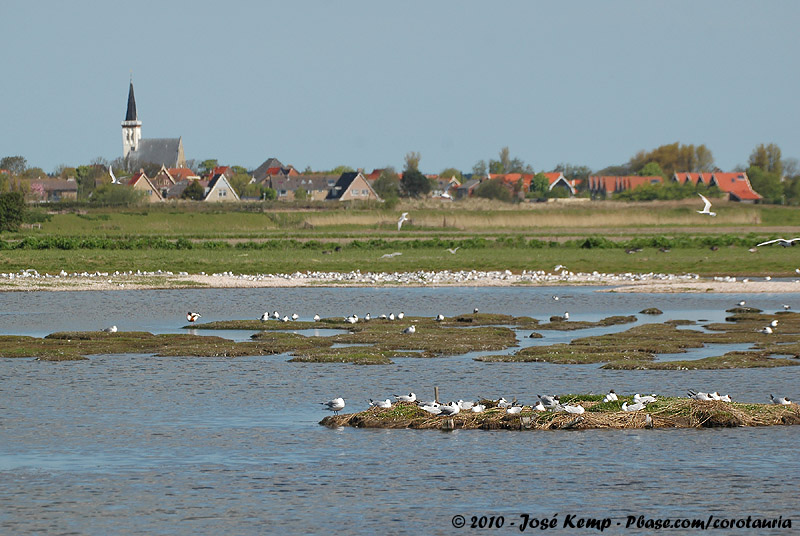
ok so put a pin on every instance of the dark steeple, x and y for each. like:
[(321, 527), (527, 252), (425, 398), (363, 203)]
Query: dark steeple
[(131, 115)]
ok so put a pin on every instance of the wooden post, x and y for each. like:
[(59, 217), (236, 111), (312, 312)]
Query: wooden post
[(436, 394)]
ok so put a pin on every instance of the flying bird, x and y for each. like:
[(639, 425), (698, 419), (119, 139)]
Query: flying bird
[(782, 241), (113, 177), (453, 250), (707, 207), (191, 317), (403, 218)]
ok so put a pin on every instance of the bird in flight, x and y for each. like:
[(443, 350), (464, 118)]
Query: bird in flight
[(453, 250), (707, 207), (403, 217), (782, 241)]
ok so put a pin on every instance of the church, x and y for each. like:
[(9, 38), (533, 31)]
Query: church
[(138, 151)]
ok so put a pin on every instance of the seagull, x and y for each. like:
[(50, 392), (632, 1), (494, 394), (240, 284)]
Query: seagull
[(351, 319), (566, 316), (577, 410), (503, 403), (316, 318), (741, 303), (410, 397), (295, 316), (368, 317), (410, 330), (610, 397), (477, 408), (782, 241), (555, 298), (383, 404), (725, 398), (450, 409), (634, 407), (644, 399), (549, 401), (285, 318), (403, 217), (276, 315), (112, 329), (707, 207), (400, 315), (440, 318), (514, 410), (390, 255), (191, 317), (113, 177), (391, 316), (466, 404), (773, 324), (264, 317), (705, 397), (783, 401), (786, 307), (539, 406), (336, 405), (433, 410), (475, 311), (767, 330), (453, 250)]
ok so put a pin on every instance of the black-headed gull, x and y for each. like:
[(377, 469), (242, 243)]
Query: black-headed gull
[(403, 218), (433, 410), (112, 329), (707, 207), (466, 404), (478, 408), (264, 317), (782, 241), (336, 405), (383, 404), (410, 330), (191, 317), (549, 401), (450, 409), (295, 316), (783, 401), (610, 397), (503, 403), (410, 397), (316, 318), (633, 407), (576, 409), (440, 318), (539, 406), (699, 395), (514, 410), (645, 399), (767, 330)]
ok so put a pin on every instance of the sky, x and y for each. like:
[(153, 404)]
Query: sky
[(362, 83)]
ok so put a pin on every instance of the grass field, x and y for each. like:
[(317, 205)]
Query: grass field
[(492, 236)]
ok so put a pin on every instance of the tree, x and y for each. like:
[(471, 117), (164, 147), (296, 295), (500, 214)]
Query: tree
[(116, 195), (651, 169), (480, 168), (12, 209), (15, 165), (674, 157), (767, 158), (450, 173), (239, 170), (239, 182), (766, 183), (301, 194), (415, 183), (412, 161), (493, 189), (207, 166), (194, 191), (506, 164), (540, 184), (269, 194), (338, 170), (387, 185), (87, 176)]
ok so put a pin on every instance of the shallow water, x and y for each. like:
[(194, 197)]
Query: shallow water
[(134, 444)]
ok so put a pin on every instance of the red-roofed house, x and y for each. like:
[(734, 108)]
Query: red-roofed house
[(180, 174), (140, 182), (735, 184), (556, 179), (606, 185)]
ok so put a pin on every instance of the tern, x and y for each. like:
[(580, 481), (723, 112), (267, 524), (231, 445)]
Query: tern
[(633, 407), (783, 401), (336, 405), (773, 324), (566, 316), (403, 218), (786, 307), (610, 397), (383, 404), (782, 241), (285, 318), (707, 207), (295, 316), (351, 319), (741, 303), (191, 317), (367, 317), (475, 311), (410, 330), (767, 330), (453, 250), (410, 397), (401, 315), (391, 316), (276, 315)]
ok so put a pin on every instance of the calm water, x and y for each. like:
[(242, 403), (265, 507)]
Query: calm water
[(136, 444)]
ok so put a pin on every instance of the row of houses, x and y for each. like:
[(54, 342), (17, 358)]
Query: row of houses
[(736, 184)]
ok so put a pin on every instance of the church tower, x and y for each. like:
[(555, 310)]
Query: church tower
[(131, 127)]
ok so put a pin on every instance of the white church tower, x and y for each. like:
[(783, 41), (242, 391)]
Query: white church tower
[(131, 127)]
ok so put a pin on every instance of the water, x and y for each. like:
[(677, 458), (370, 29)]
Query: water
[(135, 444)]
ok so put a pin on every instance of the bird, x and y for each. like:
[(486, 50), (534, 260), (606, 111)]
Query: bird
[(610, 397), (453, 250), (336, 405), (539, 406), (391, 316), (555, 298), (783, 401), (112, 329), (113, 177), (577, 409), (264, 317), (440, 318), (767, 330), (390, 255), (465, 404), (351, 319), (773, 324), (648, 421), (566, 315), (285, 318), (433, 410), (316, 318), (786, 307), (698, 395), (191, 317), (383, 404), (645, 399), (410, 397), (725, 398), (403, 218), (295, 316), (633, 407), (410, 330), (276, 315), (782, 241), (741, 303), (475, 311), (450, 409), (707, 207), (478, 408), (401, 315), (514, 410), (549, 401), (367, 317)]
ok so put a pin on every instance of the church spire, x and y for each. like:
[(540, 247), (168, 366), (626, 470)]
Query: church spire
[(131, 115)]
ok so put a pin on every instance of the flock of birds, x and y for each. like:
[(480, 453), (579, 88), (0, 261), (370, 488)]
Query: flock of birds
[(543, 404)]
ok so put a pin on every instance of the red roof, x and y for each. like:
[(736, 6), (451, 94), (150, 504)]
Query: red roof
[(735, 184), (612, 183), (180, 173), (135, 178)]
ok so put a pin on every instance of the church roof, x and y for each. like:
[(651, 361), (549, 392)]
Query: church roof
[(166, 151), (131, 114)]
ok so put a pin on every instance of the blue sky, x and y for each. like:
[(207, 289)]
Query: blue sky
[(361, 83)]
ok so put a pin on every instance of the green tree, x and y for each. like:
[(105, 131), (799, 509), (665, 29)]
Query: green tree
[(269, 194), (767, 158), (651, 169), (412, 159), (674, 157), (766, 183), (493, 189), (239, 182), (539, 185), (194, 190), (338, 170), (116, 195), (12, 210), (480, 168), (239, 170), (415, 183), (87, 176), (301, 194), (449, 173), (16, 165), (506, 164), (207, 166), (387, 185)]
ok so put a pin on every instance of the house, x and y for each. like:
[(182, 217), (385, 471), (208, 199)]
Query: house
[(467, 189), (556, 179), (54, 189), (219, 190), (163, 180), (176, 190), (179, 174), (317, 187), (736, 184), (606, 185), (445, 188), (353, 186), (137, 150), (273, 167), (140, 182)]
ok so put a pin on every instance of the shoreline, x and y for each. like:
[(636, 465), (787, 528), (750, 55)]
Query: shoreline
[(32, 281)]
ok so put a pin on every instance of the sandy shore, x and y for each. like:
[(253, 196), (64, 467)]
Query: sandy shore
[(30, 280)]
